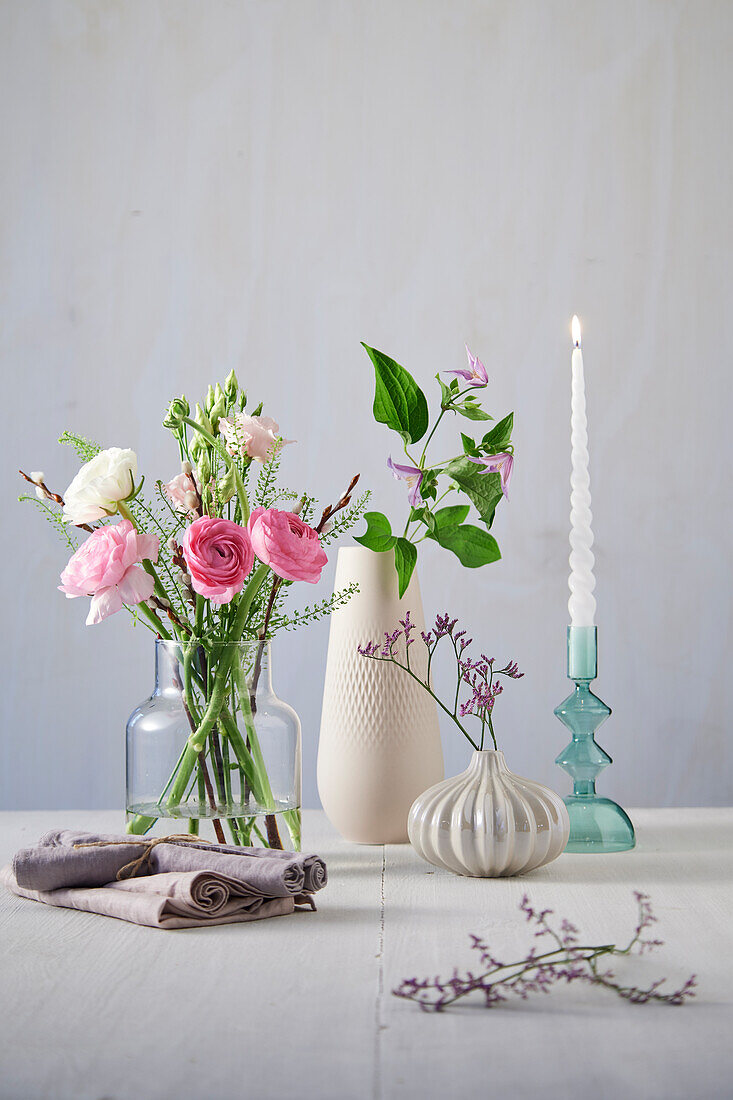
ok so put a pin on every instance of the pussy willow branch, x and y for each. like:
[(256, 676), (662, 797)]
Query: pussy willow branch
[(54, 497), (331, 509)]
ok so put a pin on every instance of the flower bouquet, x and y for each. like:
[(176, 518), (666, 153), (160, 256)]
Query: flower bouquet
[(206, 563)]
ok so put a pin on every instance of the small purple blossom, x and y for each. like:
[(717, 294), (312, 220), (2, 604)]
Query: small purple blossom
[(407, 627), (443, 625), (475, 375), (501, 464), (413, 475)]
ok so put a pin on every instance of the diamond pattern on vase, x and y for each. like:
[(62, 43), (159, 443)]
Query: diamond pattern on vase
[(380, 740)]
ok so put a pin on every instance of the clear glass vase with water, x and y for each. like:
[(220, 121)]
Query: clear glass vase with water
[(214, 742)]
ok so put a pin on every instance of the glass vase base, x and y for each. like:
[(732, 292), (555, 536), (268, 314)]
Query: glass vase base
[(279, 829), (598, 825)]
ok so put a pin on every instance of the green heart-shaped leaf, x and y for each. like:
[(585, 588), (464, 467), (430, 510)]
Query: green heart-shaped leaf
[(378, 535)]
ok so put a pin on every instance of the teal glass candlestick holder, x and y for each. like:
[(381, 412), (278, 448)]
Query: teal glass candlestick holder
[(596, 824)]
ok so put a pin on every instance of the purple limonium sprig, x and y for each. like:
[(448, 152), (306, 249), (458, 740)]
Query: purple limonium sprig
[(570, 961), (413, 475), (477, 679), (407, 628), (501, 464), (476, 374)]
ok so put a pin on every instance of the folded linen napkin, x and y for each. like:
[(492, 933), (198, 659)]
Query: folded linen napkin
[(189, 899), (55, 863), (176, 882)]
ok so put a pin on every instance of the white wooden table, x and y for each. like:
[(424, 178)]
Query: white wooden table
[(300, 1007)]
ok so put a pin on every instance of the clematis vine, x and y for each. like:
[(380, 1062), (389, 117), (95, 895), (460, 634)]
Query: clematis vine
[(501, 464), (400, 403), (413, 475), (476, 374)]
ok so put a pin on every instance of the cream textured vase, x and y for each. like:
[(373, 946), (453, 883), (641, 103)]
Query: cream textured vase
[(380, 740), (487, 822)]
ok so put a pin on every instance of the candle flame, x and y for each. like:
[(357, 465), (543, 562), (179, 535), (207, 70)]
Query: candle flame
[(576, 331)]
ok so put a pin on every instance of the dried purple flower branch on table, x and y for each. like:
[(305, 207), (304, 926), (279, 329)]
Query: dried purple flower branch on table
[(538, 972)]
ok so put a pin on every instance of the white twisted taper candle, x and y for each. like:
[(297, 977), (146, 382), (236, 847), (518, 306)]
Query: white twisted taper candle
[(582, 605)]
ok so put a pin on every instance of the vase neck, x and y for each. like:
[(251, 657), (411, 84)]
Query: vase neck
[(168, 658), (259, 668), (254, 662), (488, 762)]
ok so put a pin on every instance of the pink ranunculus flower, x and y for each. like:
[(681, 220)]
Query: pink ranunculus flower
[(107, 568), (254, 436), (287, 544), (219, 557)]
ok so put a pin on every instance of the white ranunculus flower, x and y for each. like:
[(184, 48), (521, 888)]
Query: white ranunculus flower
[(99, 485)]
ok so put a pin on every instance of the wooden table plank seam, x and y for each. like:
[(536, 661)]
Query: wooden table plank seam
[(379, 1025)]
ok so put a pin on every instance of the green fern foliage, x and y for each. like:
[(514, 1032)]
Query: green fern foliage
[(63, 530), (86, 449)]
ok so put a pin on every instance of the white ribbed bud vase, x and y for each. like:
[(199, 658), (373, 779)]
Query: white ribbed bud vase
[(380, 739), (488, 822)]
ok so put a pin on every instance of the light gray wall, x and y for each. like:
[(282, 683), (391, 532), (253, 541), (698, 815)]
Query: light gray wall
[(189, 187)]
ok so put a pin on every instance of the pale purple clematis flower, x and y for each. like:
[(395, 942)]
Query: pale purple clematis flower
[(476, 374), (498, 464), (413, 476)]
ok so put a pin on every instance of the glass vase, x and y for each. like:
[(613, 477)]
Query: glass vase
[(213, 741)]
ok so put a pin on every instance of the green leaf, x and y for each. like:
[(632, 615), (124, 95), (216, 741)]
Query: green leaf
[(472, 546), (500, 436), (428, 485), (423, 515), (469, 445), (398, 400), (445, 394), (473, 412), (451, 516), (481, 488), (405, 559), (378, 535)]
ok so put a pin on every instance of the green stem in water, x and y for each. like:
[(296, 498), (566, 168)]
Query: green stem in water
[(197, 739)]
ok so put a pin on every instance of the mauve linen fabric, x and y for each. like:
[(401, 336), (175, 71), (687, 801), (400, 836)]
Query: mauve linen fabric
[(55, 863), (189, 899), (182, 884)]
